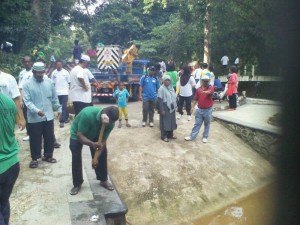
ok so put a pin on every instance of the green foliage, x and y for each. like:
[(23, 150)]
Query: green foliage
[(59, 10), (120, 23), (10, 63), (14, 16), (40, 25)]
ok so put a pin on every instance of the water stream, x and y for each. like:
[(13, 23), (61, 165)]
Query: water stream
[(256, 209)]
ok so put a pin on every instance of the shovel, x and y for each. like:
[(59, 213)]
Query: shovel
[(98, 151)]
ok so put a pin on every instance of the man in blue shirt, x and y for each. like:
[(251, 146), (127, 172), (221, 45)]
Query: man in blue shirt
[(40, 97), (148, 94)]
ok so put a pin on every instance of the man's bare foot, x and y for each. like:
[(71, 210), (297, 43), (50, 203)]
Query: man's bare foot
[(120, 125), (128, 125)]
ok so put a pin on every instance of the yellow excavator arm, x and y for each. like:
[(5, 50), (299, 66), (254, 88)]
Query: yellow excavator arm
[(128, 56)]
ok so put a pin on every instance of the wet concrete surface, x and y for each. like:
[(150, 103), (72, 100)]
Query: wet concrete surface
[(161, 183)]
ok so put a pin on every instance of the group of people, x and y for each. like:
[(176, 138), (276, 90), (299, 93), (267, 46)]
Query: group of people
[(39, 96), (192, 82), (32, 102)]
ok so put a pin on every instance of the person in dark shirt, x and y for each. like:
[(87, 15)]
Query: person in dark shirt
[(77, 51)]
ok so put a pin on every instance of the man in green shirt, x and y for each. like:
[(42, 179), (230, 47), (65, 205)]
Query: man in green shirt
[(85, 130), (9, 161)]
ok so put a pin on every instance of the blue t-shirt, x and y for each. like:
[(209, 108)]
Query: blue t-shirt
[(218, 83), (150, 86), (121, 96)]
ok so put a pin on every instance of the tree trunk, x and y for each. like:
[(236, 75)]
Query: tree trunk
[(207, 36), (40, 26)]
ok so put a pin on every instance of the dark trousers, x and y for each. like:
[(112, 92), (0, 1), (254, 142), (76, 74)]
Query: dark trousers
[(7, 181), (232, 101), (188, 104), (78, 106), (166, 134), (101, 169), (63, 100), (148, 108), (37, 132), (25, 116)]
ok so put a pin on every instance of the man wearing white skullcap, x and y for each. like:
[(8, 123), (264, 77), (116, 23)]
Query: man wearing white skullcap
[(40, 97), (80, 88)]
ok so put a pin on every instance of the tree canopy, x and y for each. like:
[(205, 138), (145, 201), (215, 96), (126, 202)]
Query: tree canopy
[(163, 28)]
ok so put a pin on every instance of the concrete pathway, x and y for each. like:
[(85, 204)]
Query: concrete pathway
[(161, 183)]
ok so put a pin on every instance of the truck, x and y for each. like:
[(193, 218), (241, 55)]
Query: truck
[(114, 66)]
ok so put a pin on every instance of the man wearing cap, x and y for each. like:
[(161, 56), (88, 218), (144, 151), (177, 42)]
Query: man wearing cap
[(204, 100), (85, 130), (80, 88), (40, 97), (149, 86)]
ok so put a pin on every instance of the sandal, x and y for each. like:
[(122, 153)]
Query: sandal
[(128, 125), (107, 185), (49, 159), (165, 139), (33, 164)]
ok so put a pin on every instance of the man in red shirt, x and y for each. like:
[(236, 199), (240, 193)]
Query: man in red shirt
[(204, 100)]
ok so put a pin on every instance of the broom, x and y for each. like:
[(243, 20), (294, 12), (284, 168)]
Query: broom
[(98, 151)]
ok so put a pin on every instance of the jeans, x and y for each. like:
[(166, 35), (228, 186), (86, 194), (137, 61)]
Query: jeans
[(37, 132), (202, 115), (101, 169), (63, 100), (188, 104), (148, 108), (7, 181)]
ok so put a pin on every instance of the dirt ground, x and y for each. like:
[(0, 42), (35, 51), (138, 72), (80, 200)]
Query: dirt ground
[(161, 183)]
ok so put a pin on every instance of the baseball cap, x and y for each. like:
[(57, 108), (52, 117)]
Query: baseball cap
[(85, 58)]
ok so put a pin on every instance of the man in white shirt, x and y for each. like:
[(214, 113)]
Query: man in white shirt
[(9, 87), (61, 80), (80, 87), (24, 76), (224, 61)]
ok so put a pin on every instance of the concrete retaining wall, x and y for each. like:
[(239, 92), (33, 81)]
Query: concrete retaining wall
[(265, 143)]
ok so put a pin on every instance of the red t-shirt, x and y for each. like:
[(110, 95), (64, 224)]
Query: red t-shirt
[(204, 100)]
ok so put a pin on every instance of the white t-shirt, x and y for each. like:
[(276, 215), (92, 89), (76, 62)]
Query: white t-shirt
[(24, 76), (237, 61), (8, 85), (77, 93), (224, 60), (187, 90), (61, 80), (212, 79), (197, 73)]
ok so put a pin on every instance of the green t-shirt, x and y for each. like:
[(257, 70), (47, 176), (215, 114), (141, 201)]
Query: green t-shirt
[(8, 144), (88, 123), (173, 75)]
